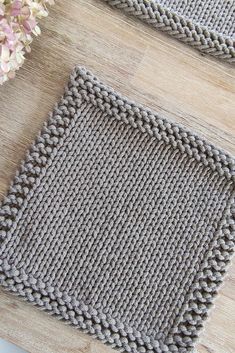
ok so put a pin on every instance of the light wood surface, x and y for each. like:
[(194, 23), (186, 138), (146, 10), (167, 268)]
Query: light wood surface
[(148, 67)]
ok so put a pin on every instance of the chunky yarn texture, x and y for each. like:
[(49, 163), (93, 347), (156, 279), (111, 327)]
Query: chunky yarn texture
[(207, 25), (119, 221)]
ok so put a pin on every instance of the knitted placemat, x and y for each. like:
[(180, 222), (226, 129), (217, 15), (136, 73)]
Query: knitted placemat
[(207, 25), (119, 221)]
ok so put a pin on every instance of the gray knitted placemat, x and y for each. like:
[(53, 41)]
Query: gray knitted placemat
[(208, 25), (119, 221)]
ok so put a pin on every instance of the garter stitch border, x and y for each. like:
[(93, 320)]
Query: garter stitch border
[(87, 88), (160, 17)]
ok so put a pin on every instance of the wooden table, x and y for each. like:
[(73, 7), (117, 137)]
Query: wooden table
[(148, 67)]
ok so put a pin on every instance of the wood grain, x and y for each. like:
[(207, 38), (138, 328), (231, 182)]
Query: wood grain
[(145, 65)]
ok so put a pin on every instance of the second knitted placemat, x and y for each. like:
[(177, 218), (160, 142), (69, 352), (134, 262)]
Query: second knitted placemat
[(119, 221), (209, 26)]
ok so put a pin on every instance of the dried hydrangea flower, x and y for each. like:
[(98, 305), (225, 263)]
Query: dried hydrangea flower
[(18, 21)]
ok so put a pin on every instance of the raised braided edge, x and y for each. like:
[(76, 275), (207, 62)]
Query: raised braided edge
[(138, 116), (85, 87), (168, 21)]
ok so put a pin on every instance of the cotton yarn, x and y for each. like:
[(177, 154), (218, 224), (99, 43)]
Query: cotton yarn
[(208, 26), (119, 221)]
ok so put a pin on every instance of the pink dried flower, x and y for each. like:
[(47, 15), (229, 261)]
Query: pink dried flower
[(18, 21), (29, 25), (16, 8)]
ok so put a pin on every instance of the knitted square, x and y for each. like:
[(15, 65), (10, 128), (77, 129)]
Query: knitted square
[(119, 221), (207, 25)]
